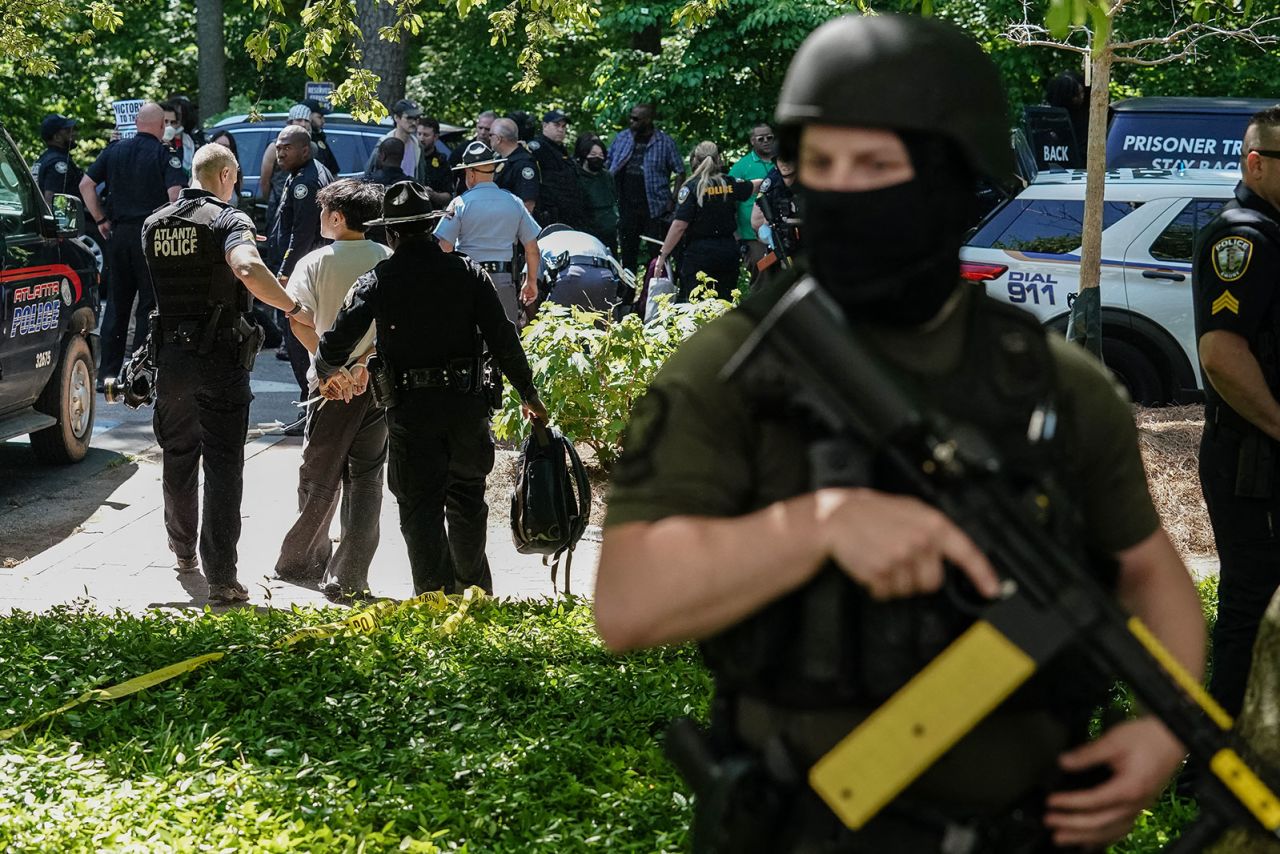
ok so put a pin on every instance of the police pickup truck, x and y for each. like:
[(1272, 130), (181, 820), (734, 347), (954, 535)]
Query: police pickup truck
[(48, 313), (1027, 252)]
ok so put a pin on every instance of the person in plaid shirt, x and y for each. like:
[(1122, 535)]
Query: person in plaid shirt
[(642, 160)]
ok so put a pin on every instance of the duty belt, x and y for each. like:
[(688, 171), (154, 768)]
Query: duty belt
[(190, 336), (464, 375), (590, 261), (495, 266)]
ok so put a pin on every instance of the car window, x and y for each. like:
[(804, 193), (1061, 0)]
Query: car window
[(1175, 242), (18, 210), (1052, 226), (351, 149)]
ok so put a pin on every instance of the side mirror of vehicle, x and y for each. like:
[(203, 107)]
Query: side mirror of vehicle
[(68, 214)]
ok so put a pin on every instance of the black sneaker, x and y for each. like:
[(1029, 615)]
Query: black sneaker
[(228, 593), (282, 353)]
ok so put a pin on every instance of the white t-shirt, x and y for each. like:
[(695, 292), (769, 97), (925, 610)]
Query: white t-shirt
[(322, 279)]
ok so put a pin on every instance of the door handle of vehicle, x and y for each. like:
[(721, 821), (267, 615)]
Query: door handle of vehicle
[(1171, 275)]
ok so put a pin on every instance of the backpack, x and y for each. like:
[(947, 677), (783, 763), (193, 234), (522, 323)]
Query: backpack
[(551, 501)]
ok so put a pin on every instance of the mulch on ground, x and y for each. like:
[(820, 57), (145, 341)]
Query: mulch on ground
[(1169, 437)]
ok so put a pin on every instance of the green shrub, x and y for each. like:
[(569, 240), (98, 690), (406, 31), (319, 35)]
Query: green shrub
[(591, 369)]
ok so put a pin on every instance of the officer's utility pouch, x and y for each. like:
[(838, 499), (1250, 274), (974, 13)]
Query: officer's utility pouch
[(492, 384), (1255, 466), (464, 375), (382, 383)]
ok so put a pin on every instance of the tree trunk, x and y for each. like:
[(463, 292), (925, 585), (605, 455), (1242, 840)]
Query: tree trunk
[(211, 71), (1259, 724), (1085, 324), (383, 58)]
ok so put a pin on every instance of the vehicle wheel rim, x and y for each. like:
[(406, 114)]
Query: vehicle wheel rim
[(80, 399)]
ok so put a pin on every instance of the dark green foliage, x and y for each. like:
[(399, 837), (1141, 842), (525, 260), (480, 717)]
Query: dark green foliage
[(518, 733)]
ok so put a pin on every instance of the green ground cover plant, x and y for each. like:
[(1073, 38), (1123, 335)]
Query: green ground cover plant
[(518, 733)]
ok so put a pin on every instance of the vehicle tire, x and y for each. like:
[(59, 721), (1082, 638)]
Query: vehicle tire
[(1135, 371), (69, 397)]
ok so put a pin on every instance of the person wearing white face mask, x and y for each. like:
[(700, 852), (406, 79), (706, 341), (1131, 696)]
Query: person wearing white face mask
[(141, 174), (176, 137)]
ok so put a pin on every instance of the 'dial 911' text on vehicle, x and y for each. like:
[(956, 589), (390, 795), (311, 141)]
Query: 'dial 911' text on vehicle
[(1027, 252)]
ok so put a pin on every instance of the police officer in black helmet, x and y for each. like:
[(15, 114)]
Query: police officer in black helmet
[(200, 251), (815, 603), (436, 314)]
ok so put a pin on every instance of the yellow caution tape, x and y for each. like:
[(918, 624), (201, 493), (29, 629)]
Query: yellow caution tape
[(364, 622)]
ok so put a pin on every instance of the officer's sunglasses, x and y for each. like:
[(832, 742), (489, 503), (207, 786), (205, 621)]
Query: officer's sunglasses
[(1265, 153), (764, 137)]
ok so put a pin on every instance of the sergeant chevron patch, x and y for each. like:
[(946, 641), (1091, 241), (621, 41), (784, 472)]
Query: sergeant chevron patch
[(1226, 302)]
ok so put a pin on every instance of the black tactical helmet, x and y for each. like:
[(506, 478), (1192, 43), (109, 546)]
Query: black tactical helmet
[(902, 72)]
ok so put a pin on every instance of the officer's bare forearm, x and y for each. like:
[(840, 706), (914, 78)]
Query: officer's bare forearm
[(532, 260), (689, 577), (305, 335), (89, 192), (247, 265), (1235, 374), (757, 218), (674, 235)]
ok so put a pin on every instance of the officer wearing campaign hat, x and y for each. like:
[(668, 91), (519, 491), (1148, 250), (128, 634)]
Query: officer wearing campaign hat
[(55, 170), (427, 305), (560, 197), (485, 222)]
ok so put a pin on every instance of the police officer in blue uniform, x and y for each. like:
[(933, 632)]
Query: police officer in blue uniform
[(485, 222), (199, 250), (560, 195), (56, 172), (436, 314), (1235, 278), (141, 174)]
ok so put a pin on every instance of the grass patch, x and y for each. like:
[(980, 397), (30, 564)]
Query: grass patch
[(518, 733)]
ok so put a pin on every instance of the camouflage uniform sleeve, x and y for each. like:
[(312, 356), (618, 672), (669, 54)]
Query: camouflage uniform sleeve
[(1118, 512), (686, 449)]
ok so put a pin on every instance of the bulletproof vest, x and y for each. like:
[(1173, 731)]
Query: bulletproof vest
[(827, 644), (187, 262)]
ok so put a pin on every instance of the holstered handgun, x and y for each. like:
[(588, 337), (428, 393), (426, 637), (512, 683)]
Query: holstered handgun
[(382, 383), (252, 337)]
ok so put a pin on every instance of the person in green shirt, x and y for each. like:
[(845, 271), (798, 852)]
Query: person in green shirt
[(815, 598), (754, 166), (599, 190)]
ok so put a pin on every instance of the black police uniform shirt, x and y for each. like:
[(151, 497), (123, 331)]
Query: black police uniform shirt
[(295, 231), (560, 198), (386, 175), (427, 305), (57, 173), (519, 175), (168, 245), (138, 173), (434, 172), (321, 151), (1236, 279), (717, 216)]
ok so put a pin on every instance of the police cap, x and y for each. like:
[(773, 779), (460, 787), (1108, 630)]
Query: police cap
[(554, 116), (53, 123), (901, 72), (404, 202), (405, 107), (478, 154)]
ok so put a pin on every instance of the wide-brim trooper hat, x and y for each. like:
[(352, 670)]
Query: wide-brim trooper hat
[(478, 154), (406, 201)]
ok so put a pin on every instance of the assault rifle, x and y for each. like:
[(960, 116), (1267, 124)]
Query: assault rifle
[(1049, 598), (782, 227)]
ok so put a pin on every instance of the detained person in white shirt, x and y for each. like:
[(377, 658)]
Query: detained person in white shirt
[(344, 446)]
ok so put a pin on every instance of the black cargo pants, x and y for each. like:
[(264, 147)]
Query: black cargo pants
[(1249, 554), (130, 278), (202, 417), (441, 452)]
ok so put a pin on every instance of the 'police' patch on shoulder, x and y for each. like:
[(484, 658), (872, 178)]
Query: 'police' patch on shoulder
[(60, 167), (534, 145), (766, 184), (300, 191), (683, 194), (1231, 256), (527, 173), (175, 162)]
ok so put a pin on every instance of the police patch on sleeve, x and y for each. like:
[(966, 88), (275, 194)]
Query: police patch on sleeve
[(300, 191), (60, 167), (534, 145), (175, 162), (764, 187), (683, 194), (527, 173), (1231, 256)]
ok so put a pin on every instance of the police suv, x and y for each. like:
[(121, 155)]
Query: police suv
[(48, 313), (1027, 252)]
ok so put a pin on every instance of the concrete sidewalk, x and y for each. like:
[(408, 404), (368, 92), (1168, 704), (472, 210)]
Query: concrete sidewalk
[(119, 558)]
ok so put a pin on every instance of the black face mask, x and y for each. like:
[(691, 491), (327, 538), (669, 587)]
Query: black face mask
[(595, 164), (892, 255)]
